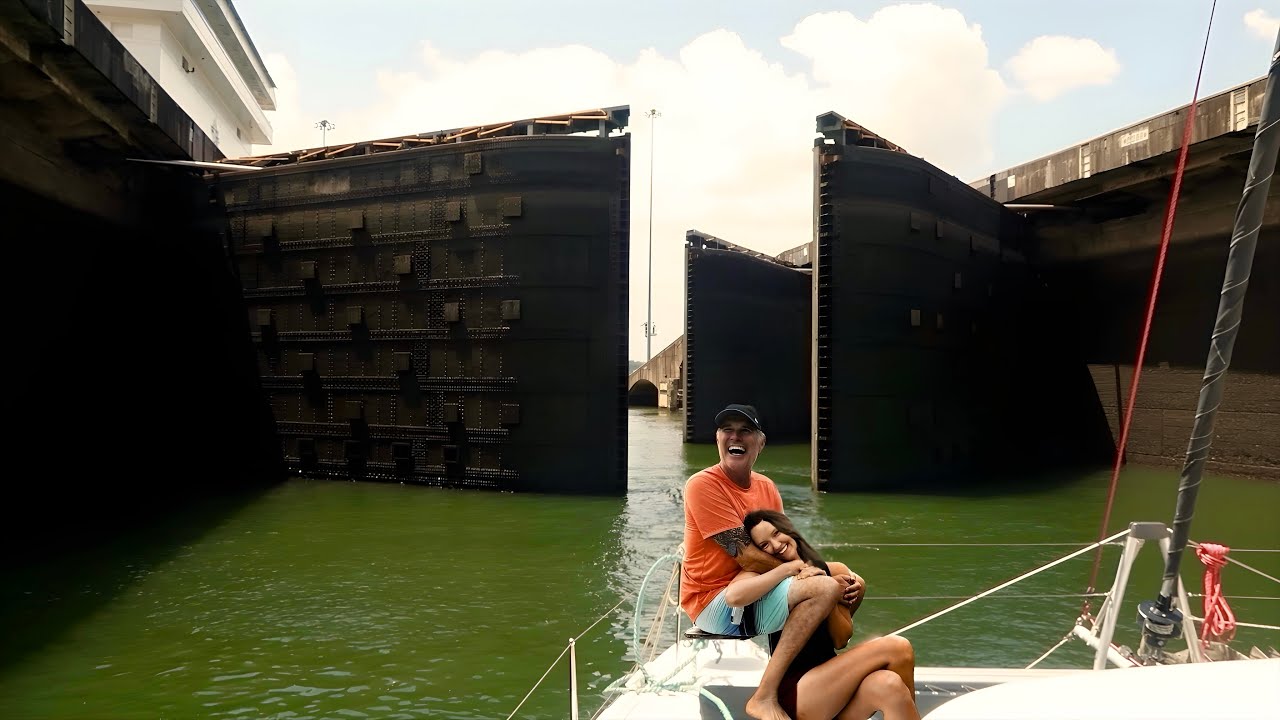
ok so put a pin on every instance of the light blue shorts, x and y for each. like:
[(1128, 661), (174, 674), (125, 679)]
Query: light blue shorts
[(770, 613)]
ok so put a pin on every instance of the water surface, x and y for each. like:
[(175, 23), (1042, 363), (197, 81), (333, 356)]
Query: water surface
[(321, 599)]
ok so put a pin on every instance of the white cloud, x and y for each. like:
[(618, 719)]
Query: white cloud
[(1262, 24), (1051, 65), (884, 74), (733, 154)]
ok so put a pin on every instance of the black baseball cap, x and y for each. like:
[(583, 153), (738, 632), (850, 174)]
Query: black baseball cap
[(746, 412)]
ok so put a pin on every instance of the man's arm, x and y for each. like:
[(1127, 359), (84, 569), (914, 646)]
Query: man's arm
[(737, 543), (749, 587)]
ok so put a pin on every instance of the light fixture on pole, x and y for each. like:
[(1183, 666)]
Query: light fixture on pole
[(324, 126), (649, 330)]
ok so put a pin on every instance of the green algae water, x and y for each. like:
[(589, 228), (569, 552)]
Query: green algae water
[(350, 600)]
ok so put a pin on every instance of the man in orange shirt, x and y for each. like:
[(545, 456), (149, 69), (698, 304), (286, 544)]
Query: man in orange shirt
[(717, 548)]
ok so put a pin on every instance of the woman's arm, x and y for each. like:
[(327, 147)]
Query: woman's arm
[(840, 625), (840, 621), (855, 587), (748, 586)]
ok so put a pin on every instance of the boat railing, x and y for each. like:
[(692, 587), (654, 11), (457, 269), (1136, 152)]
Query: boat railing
[(1096, 631), (570, 649)]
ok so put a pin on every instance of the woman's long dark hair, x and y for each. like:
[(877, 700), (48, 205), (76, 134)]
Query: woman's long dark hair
[(783, 523)]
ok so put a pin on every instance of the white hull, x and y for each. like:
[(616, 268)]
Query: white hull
[(1232, 690), (680, 684)]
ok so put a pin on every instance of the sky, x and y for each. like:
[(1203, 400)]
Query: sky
[(972, 86)]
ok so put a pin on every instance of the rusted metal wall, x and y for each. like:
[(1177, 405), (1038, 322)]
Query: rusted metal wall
[(936, 354), (746, 339), (450, 315)]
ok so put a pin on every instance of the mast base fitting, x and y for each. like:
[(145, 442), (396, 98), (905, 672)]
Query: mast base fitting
[(1159, 625)]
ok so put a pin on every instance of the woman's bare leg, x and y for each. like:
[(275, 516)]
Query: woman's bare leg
[(903, 659), (827, 689), (882, 690), (811, 601)]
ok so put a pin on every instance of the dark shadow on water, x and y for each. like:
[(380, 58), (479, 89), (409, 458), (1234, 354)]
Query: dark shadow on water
[(973, 484), (52, 587), (139, 418)]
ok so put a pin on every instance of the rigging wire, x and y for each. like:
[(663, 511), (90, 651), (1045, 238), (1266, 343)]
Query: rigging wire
[(1024, 596), (1250, 568), (1050, 651), (871, 545), (561, 657), (1154, 294), (877, 545), (535, 685), (1244, 624), (1007, 583)]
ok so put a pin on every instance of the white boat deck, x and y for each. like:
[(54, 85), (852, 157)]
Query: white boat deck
[(723, 667), (668, 696), (1230, 690), (681, 682)]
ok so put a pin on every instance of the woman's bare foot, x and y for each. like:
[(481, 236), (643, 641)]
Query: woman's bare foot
[(766, 708)]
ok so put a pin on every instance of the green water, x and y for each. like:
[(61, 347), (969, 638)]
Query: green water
[(343, 600)]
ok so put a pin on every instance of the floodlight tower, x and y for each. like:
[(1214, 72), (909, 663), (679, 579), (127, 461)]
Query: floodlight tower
[(649, 330), (324, 126)]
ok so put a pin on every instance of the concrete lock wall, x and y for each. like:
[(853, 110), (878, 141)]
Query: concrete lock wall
[(1096, 250), (136, 391), (1104, 303), (451, 315)]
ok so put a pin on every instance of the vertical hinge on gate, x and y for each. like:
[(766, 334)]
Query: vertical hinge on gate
[(69, 22)]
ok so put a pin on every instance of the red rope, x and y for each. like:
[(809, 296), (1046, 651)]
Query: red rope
[(1151, 309), (1219, 621)]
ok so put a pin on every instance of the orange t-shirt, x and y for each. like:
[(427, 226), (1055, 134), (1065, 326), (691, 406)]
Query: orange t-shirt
[(712, 504)]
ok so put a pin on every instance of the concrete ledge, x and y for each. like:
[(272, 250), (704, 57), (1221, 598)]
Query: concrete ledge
[(1148, 146), (83, 59)]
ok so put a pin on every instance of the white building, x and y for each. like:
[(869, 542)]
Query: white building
[(200, 53)]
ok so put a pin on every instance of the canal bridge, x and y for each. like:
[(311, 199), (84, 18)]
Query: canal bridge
[(658, 382)]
